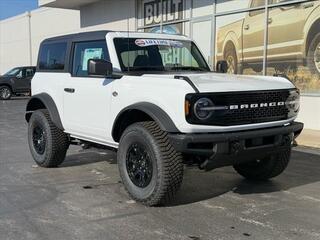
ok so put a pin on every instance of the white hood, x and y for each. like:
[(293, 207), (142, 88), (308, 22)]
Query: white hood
[(217, 82), (221, 82)]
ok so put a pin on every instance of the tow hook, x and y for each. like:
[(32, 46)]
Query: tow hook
[(288, 140), (203, 165)]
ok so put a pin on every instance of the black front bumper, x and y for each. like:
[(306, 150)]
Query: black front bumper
[(223, 149)]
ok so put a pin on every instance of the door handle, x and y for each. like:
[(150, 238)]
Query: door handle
[(69, 90), (270, 20), (247, 27), (308, 5)]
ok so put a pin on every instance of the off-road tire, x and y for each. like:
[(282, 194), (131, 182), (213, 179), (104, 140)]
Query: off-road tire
[(56, 142), (167, 164), (265, 169), (5, 88), (230, 53), (310, 57)]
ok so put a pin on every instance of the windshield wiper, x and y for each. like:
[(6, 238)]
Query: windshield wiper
[(146, 68), (191, 68)]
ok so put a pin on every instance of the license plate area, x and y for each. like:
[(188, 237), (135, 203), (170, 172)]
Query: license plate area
[(259, 142)]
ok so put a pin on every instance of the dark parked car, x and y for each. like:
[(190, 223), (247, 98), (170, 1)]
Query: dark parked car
[(15, 82)]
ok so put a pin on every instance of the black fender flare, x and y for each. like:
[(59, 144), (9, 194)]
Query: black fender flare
[(155, 112), (44, 101)]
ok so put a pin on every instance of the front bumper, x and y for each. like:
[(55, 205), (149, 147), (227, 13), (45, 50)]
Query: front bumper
[(223, 149)]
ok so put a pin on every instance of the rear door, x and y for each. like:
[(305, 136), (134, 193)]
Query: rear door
[(86, 98), (286, 35)]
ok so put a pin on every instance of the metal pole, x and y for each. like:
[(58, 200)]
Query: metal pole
[(30, 37), (213, 35), (266, 38)]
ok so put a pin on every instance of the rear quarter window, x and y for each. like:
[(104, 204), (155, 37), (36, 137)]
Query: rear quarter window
[(53, 56)]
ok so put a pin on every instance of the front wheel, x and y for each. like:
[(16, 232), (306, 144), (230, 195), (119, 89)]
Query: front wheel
[(150, 168), (5, 93), (47, 143), (313, 58), (230, 55), (264, 169)]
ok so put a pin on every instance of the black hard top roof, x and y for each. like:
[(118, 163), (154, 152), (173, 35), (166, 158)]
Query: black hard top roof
[(24, 67), (85, 36)]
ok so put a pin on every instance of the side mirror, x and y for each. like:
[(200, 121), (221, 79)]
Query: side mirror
[(99, 67), (222, 66)]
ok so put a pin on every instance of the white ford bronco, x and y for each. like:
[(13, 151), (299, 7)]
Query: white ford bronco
[(154, 100)]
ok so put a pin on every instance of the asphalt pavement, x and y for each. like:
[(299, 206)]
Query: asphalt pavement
[(84, 198)]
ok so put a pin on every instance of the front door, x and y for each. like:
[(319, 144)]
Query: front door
[(253, 35), (25, 80), (87, 99)]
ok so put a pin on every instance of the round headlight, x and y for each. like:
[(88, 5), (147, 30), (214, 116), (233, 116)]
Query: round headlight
[(200, 108), (293, 102)]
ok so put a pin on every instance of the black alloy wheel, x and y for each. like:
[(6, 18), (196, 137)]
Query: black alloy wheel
[(139, 165), (39, 140)]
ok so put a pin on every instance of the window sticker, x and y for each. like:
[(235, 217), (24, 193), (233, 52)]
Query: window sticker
[(158, 42), (91, 53)]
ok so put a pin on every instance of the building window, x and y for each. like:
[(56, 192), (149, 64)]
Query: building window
[(293, 47), (283, 40)]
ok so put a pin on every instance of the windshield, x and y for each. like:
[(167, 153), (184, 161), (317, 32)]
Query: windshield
[(13, 72), (159, 55)]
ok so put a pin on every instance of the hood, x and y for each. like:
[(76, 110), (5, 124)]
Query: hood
[(217, 82), (4, 78), (221, 82)]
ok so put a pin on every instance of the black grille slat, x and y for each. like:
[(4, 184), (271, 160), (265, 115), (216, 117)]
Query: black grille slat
[(247, 115)]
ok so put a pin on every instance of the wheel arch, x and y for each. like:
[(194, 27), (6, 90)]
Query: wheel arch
[(7, 85), (44, 101), (139, 112), (313, 30), (231, 38)]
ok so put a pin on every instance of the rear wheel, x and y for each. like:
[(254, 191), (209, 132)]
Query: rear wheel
[(264, 169), (313, 58), (5, 93), (47, 143), (150, 168)]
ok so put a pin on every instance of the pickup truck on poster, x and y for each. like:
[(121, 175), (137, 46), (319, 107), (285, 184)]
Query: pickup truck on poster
[(293, 38)]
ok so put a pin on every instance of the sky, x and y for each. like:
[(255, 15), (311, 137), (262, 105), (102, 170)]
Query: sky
[(10, 8)]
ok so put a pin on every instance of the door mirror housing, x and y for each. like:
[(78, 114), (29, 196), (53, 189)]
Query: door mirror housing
[(99, 67), (222, 66)]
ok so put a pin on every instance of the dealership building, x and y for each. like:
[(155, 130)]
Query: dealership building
[(260, 37)]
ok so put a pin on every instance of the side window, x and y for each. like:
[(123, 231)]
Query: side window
[(20, 74), (52, 56), (29, 72), (254, 4), (257, 3), (83, 51)]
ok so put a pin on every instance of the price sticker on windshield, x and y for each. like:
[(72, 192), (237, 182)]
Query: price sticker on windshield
[(158, 42)]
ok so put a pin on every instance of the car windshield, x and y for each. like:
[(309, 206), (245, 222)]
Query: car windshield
[(159, 55), (13, 72)]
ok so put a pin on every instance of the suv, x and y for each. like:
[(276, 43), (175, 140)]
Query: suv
[(153, 99), (293, 37), (15, 82)]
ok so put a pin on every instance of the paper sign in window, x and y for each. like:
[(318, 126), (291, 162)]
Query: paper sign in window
[(90, 53)]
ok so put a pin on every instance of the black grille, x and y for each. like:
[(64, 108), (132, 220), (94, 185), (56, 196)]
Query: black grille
[(246, 115)]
